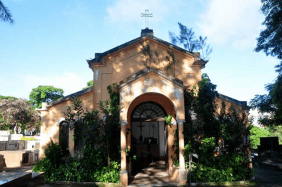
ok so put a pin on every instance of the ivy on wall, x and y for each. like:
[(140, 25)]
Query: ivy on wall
[(97, 141)]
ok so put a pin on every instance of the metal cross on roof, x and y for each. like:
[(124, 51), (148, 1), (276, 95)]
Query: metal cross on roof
[(146, 15)]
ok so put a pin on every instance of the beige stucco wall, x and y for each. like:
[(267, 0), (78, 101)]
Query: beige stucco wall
[(228, 105), (51, 118), (127, 61)]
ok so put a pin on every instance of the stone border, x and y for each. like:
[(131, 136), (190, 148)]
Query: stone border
[(162, 184), (223, 183), (81, 183)]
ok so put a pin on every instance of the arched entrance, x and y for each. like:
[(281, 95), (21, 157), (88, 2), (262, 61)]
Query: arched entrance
[(148, 135), (152, 86)]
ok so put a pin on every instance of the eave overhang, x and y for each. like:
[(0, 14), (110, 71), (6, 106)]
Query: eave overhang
[(241, 103), (201, 63), (69, 97)]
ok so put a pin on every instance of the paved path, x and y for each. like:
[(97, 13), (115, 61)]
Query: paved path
[(154, 175), (267, 177)]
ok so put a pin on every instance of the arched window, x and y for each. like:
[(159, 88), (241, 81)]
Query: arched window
[(64, 136), (148, 111)]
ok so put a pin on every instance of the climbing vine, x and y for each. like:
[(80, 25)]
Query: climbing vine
[(205, 130), (97, 141)]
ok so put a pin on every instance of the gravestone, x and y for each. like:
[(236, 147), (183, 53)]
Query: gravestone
[(269, 147), (5, 138), (2, 145), (5, 132), (5, 135), (16, 136), (35, 156), (12, 145), (21, 144), (32, 144)]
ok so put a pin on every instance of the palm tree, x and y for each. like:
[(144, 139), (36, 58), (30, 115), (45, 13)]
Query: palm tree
[(5, 14)]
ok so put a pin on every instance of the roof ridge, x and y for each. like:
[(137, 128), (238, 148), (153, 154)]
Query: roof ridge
[(99, 56), (243, 103), (78, 93)]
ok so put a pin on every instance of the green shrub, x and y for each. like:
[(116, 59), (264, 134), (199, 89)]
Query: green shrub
[(54, 153), (225, 167), (74, 169), (98, 140)]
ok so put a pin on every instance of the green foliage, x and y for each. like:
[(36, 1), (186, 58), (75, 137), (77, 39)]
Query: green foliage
[(204, 127), (5, 14), (74, 169), (275, 131), (54, 153), (188, 39), (256, 133), (7, 97), (270, 42), (89, 84), (45, 94), (270, 103), (168, 119), (218, 169), (200, 111), (270, 39), (97, 144)]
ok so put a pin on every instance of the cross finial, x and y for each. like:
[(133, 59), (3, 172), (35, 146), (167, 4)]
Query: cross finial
[(146, 15)]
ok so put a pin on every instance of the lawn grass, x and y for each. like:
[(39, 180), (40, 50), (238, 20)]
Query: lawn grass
[(25, 138)]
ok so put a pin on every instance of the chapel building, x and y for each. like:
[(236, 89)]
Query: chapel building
[(149, 91)]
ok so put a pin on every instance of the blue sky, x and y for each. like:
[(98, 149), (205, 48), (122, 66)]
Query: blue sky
[(50, 40)]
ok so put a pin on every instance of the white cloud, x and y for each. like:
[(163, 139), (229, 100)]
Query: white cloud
[(69, 82), (228, 20), (129, 11)]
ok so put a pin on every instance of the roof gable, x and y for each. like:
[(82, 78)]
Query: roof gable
[(97, 61)]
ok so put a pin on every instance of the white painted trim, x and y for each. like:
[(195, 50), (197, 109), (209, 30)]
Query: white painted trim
[(180, 122), (60, 120), (123, 122), (123, 171)]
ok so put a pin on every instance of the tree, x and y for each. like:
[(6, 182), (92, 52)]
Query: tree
[(275, 131), (256, 133), (18, 112), (270, 103), (188, 39), (45, 94), (270, 42), (7, 97), (270, 39), (202, 120), (5, 14), (217, 138), (89, 85)]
